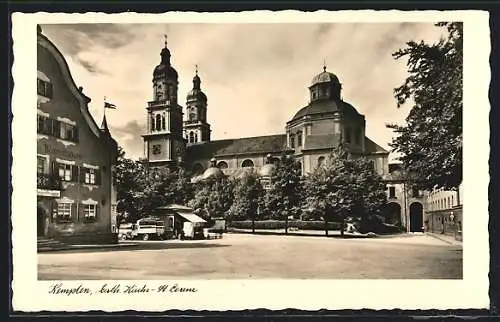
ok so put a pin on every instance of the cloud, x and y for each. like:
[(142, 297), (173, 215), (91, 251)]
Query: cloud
[(129, 137), (256, 76)]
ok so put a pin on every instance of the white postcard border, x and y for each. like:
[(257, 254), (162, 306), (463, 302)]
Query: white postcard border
[(471, 292)]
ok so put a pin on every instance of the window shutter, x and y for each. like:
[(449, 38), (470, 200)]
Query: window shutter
[(97, 208), (74, 173), (46, 125), (56, 128), (74, 211), (55, 169), (40, 87), (82, 174)]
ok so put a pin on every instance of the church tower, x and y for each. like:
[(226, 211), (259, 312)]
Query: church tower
[(164, 143), (196, 128)]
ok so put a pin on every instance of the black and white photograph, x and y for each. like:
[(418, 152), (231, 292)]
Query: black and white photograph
[(179, 153)]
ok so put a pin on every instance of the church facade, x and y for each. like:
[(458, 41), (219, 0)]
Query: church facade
[(310, 135)]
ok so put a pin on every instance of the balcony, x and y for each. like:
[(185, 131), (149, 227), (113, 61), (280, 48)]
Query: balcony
[(48, 185), (160, 103)]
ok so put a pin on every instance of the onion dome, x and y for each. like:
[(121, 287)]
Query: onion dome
[(325, 77), (165, 69), (212, 172), (268, 169), (196, 93)]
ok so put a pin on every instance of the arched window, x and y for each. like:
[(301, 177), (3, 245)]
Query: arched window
[(452, 201), (158, 122), (299, 165), (163, 121), (196, 137), (152, 123), (191, 137), (247, 163), (321, 161), (222, 165), (299, 138)]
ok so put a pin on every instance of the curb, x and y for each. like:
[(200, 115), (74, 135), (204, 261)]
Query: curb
[(83, 247), (346, 236), (445, 240)]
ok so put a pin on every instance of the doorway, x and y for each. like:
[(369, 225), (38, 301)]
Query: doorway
[(416, 217), (42, 222)]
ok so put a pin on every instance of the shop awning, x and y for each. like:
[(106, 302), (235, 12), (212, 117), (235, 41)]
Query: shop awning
[(192, 217)]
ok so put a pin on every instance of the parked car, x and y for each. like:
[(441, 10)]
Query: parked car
[(148, 228), (125, 231)]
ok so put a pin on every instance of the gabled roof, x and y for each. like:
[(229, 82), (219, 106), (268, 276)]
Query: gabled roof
[(66, 73), (228, 147)]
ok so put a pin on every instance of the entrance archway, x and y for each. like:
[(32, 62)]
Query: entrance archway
[(42, 222), (393, 213), (416, 217)]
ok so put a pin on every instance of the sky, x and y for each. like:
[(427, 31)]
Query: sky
[(256, 76)]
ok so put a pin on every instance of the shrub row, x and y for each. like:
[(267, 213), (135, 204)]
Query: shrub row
[(280, 224)]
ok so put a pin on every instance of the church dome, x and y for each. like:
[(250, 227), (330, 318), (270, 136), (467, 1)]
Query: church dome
[(165, 70), (267, 170), (325, 77), (196, 94), (326, 108), (212, 172)]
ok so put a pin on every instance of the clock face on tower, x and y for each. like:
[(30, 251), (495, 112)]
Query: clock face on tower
[(156, 149)]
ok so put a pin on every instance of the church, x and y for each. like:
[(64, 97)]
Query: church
[(324, 122)]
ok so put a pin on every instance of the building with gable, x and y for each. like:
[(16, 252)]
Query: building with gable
[(76, 199)]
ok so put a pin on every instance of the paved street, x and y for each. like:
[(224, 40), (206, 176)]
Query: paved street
[(257, 256)]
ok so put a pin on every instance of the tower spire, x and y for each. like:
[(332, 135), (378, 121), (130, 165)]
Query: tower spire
[(196, 69), (324, 65), (166, 38)]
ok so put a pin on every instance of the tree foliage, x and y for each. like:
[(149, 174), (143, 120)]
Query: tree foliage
[(213, 198), (283, 199), (345, 188), (248, 194), (430, 141), (140, 189)]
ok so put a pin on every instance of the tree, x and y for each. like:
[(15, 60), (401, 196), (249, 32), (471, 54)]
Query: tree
[(141, 189), (248, 193), (213, 198), (284, 197), (431, 140), (128, 178), (343, 189)]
